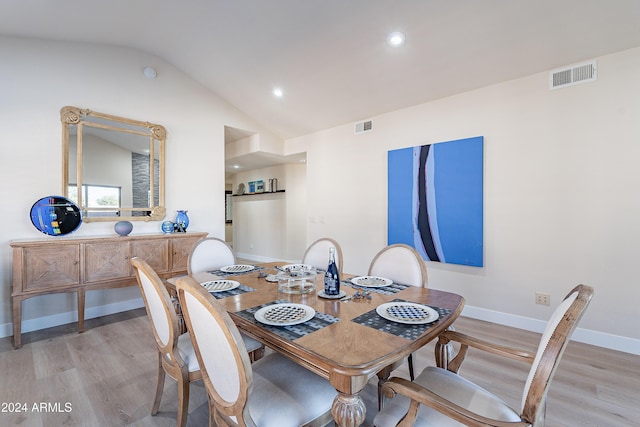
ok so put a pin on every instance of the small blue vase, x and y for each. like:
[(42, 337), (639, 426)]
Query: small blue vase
[(123, 228), (182, 221), (167, 227)]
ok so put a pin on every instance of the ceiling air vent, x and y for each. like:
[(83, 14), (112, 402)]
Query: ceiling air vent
[(362, 127), (573, 75)]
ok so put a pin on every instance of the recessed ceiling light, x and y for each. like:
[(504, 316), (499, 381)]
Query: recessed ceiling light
[(277, 92), (236, 166), (395, 39)]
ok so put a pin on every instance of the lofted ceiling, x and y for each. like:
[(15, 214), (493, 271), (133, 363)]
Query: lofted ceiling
[(330, 57)]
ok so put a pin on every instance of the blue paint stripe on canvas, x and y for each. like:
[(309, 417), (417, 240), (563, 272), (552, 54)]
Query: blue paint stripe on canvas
[(400, 186), (458, 188)]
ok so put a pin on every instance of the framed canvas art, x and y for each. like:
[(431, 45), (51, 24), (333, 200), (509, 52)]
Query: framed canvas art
[(435, 200)]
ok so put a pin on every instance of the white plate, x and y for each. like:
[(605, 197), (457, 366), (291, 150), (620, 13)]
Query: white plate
[(407, 312), (271, 278), (341, 294), (237, 268), (220, 285), (371, 281), (285, 314), (297, 267)]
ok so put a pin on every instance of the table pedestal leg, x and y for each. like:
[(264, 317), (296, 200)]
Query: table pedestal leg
[(348, 410)]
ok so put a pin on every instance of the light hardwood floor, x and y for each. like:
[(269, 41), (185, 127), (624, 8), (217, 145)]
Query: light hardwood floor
[(106, 377)]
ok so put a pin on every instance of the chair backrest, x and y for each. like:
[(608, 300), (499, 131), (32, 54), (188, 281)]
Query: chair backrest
[(210, 254), (160, 310), (223, 358), (400, 263), (554, 340), (317, 254)]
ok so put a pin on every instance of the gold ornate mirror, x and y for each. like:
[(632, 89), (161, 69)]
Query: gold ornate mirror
[(113, 167)]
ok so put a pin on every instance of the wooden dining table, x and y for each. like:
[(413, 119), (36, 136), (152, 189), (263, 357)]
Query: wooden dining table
[(343, 350)]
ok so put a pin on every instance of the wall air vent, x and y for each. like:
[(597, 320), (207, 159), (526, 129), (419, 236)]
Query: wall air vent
[(573, 75), (362, 127)]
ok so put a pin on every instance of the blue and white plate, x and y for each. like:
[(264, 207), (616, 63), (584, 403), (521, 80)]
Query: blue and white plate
[(371, 281), (237, 268), (407, 312), (220, 285), (285, 314)]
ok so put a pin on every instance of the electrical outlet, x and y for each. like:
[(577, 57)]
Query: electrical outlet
[(542, 298)]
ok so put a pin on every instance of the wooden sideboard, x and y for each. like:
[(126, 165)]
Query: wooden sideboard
[(80, 264)]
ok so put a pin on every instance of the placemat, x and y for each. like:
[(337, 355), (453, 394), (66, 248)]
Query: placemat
[(373, 320), (293, 332), (393, 288), (231, 292), (239, 273)]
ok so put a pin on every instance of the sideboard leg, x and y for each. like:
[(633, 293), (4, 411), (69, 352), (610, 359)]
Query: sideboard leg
[(17, 322), (81, 294)]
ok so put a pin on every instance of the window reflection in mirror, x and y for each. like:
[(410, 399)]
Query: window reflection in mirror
[(118, 163)]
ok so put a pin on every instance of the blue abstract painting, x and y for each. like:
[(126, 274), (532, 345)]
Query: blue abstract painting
[(435, 197)]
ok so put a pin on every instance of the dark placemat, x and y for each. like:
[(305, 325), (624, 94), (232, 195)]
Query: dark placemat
[(231, 292), (239, 273), (319, 321), (393, 288), (373, 320)]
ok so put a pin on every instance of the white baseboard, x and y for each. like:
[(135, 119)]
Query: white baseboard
[(600, 339), (45, 322)]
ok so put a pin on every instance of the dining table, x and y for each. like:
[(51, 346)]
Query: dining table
[(347, 341)]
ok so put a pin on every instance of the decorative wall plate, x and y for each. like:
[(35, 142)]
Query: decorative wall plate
[(56, 215)]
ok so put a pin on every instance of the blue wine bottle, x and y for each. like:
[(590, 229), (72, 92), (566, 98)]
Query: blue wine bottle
[(332, 277)]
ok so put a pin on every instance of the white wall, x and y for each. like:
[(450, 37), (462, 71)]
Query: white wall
[(560, 193), (271, 226), (37, 78)]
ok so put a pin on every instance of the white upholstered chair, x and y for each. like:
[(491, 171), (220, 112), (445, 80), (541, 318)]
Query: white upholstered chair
[(317, 254), (274, 391), (439, 397), (210, 254), (176, 355), (402, 264)]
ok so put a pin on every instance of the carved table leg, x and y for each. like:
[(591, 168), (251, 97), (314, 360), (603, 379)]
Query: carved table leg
[(348, 410)]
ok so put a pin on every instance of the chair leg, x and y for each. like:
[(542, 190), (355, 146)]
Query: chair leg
[(159, 387), (183, 401), (256, 355), (212, 415), (410, 360)]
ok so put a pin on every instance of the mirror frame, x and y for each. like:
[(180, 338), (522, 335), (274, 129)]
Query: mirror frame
[(70, 116)]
